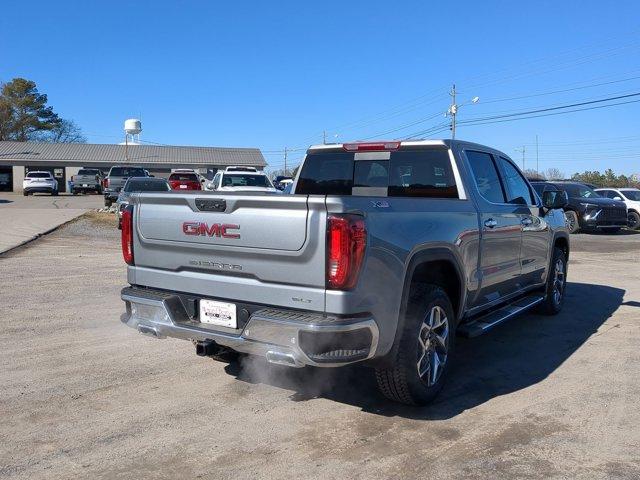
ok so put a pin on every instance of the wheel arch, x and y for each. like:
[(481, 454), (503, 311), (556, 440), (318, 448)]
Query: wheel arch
[(438, 265), (561, 239)]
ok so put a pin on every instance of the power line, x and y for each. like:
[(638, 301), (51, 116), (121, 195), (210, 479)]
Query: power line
[(549, 109), (521, 97), (579, 60)]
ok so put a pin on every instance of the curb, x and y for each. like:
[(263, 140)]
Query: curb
[(41, 234)]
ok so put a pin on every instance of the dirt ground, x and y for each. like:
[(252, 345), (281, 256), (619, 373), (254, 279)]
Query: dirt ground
[(83, 396)]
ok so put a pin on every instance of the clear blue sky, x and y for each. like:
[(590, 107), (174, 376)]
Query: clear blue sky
[(276, 74)]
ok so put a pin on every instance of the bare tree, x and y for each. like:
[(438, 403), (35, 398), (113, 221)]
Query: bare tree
[(532, 174), (65, 132), (554, 174)]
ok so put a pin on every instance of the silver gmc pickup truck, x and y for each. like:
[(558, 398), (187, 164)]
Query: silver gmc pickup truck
[(381, 255)]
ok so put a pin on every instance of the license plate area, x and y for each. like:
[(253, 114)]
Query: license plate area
[(222, 314)]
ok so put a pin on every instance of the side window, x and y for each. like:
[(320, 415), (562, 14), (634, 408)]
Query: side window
[(216, 180), (516, 184), (486, 176)]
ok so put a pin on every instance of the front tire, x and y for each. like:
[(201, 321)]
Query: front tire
[(572, 221), (423, 355), (634, 220), (556, 284)]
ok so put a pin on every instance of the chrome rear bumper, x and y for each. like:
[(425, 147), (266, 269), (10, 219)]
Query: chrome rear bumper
[(293, 338)]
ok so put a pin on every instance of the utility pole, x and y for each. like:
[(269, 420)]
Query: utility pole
[(453, 109), (285, 160), (537, 159), (523, 149), (324, 137)]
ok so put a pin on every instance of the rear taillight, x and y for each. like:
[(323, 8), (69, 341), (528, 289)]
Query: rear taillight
[(346, 241), (127, 235), (105, 183)]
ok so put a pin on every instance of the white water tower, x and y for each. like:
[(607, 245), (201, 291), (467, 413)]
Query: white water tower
[(132, 129)]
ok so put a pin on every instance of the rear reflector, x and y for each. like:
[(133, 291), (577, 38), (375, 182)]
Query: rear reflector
[(346, 241), (371, 146), (126, 235)]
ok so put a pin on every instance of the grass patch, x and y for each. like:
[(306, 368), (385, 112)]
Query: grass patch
[(103, 218)]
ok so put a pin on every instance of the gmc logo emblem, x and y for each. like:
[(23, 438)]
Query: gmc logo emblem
[(213, 230)]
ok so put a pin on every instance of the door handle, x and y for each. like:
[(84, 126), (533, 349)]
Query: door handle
[(526, 221), (490, 223)]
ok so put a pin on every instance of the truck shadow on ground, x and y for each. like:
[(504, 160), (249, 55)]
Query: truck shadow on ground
[(514, 356)]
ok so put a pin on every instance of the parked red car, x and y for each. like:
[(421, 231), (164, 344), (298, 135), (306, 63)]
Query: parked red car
[(184, 181)]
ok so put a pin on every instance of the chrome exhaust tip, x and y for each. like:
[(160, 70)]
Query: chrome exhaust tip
[(281, 358), (149, 331)]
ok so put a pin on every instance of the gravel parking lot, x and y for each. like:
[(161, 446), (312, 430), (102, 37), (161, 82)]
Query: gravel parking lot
[(85, 397)]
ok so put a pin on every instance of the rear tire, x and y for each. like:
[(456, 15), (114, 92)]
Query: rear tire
[(26, 194), (556, 284), (424, 352), (54, 193), (634, 220), (107, 203), (572, 221)]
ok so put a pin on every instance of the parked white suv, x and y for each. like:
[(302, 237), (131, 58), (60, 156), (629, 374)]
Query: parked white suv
[(631, 197), (238, 179), (42, 182)]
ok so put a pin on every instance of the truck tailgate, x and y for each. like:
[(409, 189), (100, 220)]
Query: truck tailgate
[(265, 248)]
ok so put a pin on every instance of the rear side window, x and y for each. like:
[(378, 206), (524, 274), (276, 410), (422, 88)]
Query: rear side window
[(516, 184), (486, 176), (407, 173)]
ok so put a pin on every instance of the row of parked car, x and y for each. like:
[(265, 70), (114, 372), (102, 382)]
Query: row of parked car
[(122, 182), (588, 207)]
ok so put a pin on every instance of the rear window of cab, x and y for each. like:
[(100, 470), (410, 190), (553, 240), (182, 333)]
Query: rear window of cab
[(183, 177), (406, 173)]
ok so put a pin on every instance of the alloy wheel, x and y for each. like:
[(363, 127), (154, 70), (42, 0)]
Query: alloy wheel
[(558, 281), (433, 344), (570, 221), (633, 221)]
